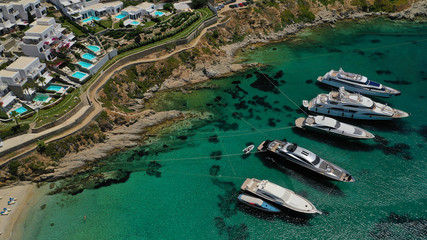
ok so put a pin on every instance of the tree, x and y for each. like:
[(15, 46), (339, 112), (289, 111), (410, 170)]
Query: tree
[(15, 115), (196, 4), (168, 6), (42, 80), (30, 17), (121, 23)]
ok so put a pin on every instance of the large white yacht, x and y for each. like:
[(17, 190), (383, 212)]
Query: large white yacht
[(356, 83), (332, 126), (351, 105), (292, 152), (278, 195)]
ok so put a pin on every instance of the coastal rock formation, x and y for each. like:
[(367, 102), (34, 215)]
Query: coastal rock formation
[(119, 138), (418, 9)]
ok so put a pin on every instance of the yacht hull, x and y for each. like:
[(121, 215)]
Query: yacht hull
[(357, 89)]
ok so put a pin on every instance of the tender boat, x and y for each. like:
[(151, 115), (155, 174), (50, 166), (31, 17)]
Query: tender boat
[(332, 126), (352, 105), (356, 83), (278, 195), (303, 157), (248, 149), (257, 203)]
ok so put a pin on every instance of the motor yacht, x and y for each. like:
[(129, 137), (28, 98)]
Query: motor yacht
[(352, 105), (279, 195), (292, 152), (331, 126), (356, 83)]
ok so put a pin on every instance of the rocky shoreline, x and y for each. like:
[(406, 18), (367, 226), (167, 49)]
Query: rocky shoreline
[(125, 137)]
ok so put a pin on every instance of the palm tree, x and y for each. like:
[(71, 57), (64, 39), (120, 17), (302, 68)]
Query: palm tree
[(26, 87), (15, 115)]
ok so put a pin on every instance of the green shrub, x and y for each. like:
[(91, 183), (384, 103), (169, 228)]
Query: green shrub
[(288, 17)]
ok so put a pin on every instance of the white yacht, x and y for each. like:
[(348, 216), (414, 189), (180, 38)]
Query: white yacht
[(332, 126), (293, 153), (356, 83), (279, 195), (351, 105)]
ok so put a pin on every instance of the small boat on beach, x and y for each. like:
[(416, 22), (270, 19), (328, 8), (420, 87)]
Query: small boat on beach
[(248, 149), (356, 83), (257, 203), (352, 105), (279, 195), (331, 126), (293, 153)]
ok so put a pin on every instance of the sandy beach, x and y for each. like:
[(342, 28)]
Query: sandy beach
[(23, 192)]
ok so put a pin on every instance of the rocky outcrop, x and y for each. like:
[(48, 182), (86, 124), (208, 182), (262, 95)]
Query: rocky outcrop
[(119, 138), (418, 9)]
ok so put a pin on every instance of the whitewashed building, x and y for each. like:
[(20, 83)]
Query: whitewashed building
[(82, 9), (138, 11), (45, 38), (14, 14), (23, 70)]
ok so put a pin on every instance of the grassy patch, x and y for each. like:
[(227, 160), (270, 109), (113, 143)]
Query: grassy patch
[(72, 28)]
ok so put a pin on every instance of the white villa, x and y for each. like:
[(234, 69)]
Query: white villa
[(136, 12), (82, 9), (23, 70), (44, 38), (13, 14)]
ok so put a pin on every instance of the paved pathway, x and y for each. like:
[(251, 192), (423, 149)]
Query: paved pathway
[(27, 141)]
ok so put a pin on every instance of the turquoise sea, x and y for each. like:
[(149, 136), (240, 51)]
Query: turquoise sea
[(190, 192)]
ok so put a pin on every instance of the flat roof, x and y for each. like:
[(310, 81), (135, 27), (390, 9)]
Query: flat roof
[(7, 73), (131, 8), (145, 5), (112, 4), (45, 19), (22, 62), (38, 29)]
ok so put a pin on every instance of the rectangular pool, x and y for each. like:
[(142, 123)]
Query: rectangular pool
[(94, 48), (84, 64), (20, 110), (79, 75), (135, 23), (88, 56), (121, 16), (90, 19), (157, 13), (41, 97), (54, 87)]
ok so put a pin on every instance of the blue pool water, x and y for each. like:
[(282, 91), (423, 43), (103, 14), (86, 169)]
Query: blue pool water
[(54, 87), (20, 110), (88, 56), (79, 75), (90, 19), (94, 48), (41, 97), (121, 16), (157, 13), (134, 23), (84, 64)]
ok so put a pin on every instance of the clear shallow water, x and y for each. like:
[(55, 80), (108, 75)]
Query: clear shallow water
[(41, 97), (185, 202), (88, 56)]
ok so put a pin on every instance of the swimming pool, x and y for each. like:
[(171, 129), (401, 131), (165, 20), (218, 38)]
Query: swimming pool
[(90, 19), (54, 87), (134, 23), (121, 16), (88, 56), (41, 97), (84, 64), (20, 110), (157, 13), (94, 48), (79, 75)]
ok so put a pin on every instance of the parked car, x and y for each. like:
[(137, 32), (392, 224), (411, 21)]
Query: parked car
[(245, 3), (241, 5), (232, 6)]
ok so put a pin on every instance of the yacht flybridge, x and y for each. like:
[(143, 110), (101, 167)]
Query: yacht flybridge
[(279, 195), (356, 83), (351, 105), (305, 158), (329, 125)]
